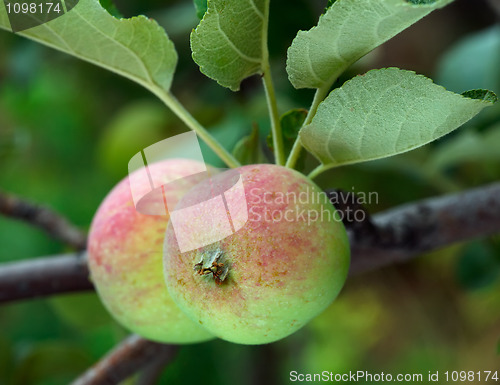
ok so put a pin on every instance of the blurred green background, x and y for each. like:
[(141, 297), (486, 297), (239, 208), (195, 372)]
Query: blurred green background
[(68, 129)]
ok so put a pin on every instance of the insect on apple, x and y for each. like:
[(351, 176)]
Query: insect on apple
[(211, 264)]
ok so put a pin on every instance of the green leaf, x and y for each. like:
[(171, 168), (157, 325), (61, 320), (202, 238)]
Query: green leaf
[(484, 95), (201, 8), (6, 358), (383, 113), (83, 311), (249, 150), (347, 31), (109, 6), (330, 3), (472, 62), (469, 146), (136, 48), (230, 43), (58, 360), (291, 123)]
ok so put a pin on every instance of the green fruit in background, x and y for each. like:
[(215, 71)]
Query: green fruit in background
[(125, 258), (284, 266), (120, 140)]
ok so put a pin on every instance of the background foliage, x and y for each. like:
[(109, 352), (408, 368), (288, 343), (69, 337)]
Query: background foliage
[(68, 129)]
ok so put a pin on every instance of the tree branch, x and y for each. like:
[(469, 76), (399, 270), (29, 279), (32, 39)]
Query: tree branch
[(394, 236), (407, 231), (44, 276), (51, 222), (132, 355), (152, 372)]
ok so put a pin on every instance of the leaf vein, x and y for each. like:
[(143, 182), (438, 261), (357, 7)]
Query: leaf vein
[(147, 75), (232, 45), (256, 9)]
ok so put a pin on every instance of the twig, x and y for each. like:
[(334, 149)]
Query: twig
[(43, 276), (130, 356), (407, 231), (393, 236), (51, 222), (151, 373)]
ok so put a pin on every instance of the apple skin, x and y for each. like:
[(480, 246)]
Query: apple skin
[(125, 260), (281, 273)]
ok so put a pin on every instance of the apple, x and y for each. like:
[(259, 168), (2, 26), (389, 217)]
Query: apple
[(284, 266), (125, 257), (119, 140)]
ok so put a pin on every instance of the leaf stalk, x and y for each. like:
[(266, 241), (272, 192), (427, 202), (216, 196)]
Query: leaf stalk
[(317, 171), (319, 96), (279, 148), (177, 108)]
